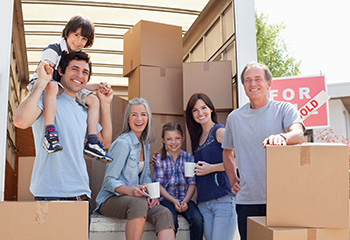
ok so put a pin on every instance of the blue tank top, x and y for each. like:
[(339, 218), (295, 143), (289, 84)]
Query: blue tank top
[(216, 184)]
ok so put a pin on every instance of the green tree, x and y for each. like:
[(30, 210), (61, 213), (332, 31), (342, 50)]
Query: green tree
[(272, 50)]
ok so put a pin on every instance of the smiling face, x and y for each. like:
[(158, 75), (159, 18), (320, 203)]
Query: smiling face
[(75, 77), (256, 86), (138, 119), (173, 141), (75, 41), (201, 112)]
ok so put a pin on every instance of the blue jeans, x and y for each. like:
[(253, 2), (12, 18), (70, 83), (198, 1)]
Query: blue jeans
[(245, 211), (220, 219), (192, 215), (64, 199)]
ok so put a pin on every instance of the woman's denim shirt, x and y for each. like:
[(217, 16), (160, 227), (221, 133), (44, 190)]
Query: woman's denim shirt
[(124, 170)]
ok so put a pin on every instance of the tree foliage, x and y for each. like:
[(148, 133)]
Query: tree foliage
[(272, 50)]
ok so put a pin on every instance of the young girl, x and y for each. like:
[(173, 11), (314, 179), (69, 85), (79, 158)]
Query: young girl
[(176, 190), (215, 200), (78, 33)]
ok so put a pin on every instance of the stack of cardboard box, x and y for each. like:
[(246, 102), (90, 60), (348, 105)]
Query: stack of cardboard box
[(153, 63), (307, 194)]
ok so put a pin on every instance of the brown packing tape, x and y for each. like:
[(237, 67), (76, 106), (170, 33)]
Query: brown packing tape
[(42, 209), (206, 67), (305, 155), (162, 72), (311, 234), (131, 64)]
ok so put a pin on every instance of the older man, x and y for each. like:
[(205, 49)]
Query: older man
[(248, 130)]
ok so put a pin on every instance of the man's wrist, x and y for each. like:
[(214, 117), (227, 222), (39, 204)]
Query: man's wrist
[(284, 136)]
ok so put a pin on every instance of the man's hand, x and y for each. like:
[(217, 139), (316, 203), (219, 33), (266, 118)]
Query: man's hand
[(45, 72), (236, 186), (105, 88), (274, 140), (105, 97)]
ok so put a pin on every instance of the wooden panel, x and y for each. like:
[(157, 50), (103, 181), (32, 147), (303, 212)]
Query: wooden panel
[(10, 183), (213, 39), (25, 142), (230, 54), (198, 52), (228, 23)]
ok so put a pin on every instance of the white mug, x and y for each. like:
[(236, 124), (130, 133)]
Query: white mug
[(153, 190), (189, 169)]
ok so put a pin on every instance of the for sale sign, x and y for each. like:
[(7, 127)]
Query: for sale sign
[(309, 96)]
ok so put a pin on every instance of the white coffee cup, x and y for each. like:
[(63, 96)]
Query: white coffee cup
[(153, 190), (189, 169)]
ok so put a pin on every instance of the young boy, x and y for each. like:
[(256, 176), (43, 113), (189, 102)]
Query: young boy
[(78, 33)]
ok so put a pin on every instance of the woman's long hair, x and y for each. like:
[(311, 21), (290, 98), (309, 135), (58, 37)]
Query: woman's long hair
[(194, 128)]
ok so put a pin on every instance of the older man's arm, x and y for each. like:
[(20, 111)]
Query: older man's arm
[(230, 169), (294, 135)]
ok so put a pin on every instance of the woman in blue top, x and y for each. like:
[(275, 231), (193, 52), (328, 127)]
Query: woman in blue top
[(122, 194), (215, 200)]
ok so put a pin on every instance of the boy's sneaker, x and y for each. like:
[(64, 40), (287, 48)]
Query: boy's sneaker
[(52, 143), (96, 150)]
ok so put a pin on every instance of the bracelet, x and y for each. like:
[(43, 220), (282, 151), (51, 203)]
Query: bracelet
[(284, 136)]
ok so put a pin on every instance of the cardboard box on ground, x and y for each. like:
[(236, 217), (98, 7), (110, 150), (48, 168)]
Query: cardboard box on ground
[(44, 220), (257, 230), (308, 186), (152, 44)]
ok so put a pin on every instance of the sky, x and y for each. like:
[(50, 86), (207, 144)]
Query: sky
[(317, 33)]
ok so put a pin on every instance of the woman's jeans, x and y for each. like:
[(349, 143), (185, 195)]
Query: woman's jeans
[(220, 218)]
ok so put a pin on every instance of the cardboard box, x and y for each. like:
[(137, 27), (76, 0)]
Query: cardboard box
[(308, 186), (25, 168), (152, 44), (161, 87), (257, 230), (44, 220), (212, 78)]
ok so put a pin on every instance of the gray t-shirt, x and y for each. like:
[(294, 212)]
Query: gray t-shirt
[(61, 174), (246, 129)]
